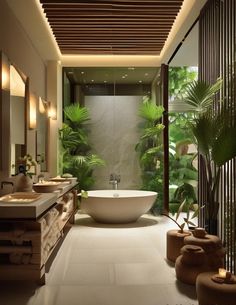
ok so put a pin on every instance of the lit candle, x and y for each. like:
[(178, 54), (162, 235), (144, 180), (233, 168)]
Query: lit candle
[(222, 273)]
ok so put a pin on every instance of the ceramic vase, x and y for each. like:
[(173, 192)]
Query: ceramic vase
[(24, 183)]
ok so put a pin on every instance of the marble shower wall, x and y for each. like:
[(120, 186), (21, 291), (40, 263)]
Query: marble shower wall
[(114, 133)]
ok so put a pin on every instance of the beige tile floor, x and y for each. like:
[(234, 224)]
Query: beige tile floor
[(108, 265)]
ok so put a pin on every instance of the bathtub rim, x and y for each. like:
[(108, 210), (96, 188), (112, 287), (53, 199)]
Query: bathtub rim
[(111, 193)]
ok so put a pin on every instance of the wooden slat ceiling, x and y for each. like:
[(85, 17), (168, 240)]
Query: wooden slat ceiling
[(111, 27)]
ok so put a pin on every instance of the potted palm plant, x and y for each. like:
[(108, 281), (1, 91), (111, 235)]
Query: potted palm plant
[(175, 237), (214, 132)]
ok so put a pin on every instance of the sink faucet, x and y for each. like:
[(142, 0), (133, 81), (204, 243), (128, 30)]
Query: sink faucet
[(114, 180), (40, 178)]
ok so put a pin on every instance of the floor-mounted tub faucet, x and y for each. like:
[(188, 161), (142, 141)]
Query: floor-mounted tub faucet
[(114, 180)]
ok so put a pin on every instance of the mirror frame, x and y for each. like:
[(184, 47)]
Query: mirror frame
[(5, 145)]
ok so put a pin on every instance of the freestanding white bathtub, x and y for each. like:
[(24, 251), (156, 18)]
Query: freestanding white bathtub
[(117, 206)]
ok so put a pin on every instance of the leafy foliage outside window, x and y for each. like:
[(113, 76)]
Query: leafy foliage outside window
[(179, 78), (76, 155), (182, 173)]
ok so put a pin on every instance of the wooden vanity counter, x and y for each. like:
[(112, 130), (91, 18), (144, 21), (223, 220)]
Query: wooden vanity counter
[(31, 233)]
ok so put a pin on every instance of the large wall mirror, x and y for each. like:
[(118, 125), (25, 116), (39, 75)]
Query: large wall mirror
[(14, 99), (17, 116), (23, 119)]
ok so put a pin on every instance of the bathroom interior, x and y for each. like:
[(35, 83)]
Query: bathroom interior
[(83, 218)]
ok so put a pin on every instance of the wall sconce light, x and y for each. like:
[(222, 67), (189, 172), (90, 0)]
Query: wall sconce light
[(52, 112), (5, 77), (32, 112), (42, 105)]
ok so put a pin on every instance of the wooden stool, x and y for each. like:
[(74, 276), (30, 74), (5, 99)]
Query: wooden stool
[(212, 293)]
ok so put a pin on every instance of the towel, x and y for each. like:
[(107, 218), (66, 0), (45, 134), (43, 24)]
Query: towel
[(26, 259), (15, 258)]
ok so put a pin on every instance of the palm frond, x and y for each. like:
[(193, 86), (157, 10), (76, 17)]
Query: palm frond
[(76, 114), (204, 133), (146, 159), (224, 147), (150, 111), (152, 131), (79, 160), (69, 138), (200, 95), (154, 150), (181, 207), (90, 160), (94, 160)]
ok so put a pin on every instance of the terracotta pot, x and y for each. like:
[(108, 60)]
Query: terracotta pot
[(199, 233), (193, 255), (174, 242), (24, 183)]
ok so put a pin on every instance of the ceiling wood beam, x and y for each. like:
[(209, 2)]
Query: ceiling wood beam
[(111, 26)]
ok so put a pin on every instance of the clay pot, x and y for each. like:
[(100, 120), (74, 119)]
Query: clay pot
[(213, 248), (187, 273), (174, 242), (24, 183), (193, 255), (199, 233)]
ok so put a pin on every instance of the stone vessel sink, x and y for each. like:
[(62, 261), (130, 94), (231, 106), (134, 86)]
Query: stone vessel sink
[(65, 180), (46, 186), (20, 197)]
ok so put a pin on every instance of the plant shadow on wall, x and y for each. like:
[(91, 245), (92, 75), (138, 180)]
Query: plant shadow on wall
[(214, 129), (76, 156), (150, 150)]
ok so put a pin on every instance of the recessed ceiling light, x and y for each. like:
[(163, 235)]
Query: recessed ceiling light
[(123, 76), (92, 80), (70, 72), (126, 75), (140, 81), (82, 72), (131, 68), (146, 74), (105, 81)]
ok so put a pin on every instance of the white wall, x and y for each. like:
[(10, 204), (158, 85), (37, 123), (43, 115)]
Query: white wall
[(20, 51), (15, 43), (114, 134)]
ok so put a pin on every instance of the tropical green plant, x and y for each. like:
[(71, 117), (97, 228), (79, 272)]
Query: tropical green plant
[(214, 132), (179, 78), (150, 150), (191, 210), (182, 174), (76, 153)]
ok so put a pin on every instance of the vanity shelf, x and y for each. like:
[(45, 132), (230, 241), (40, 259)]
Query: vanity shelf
[(27, 245)]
